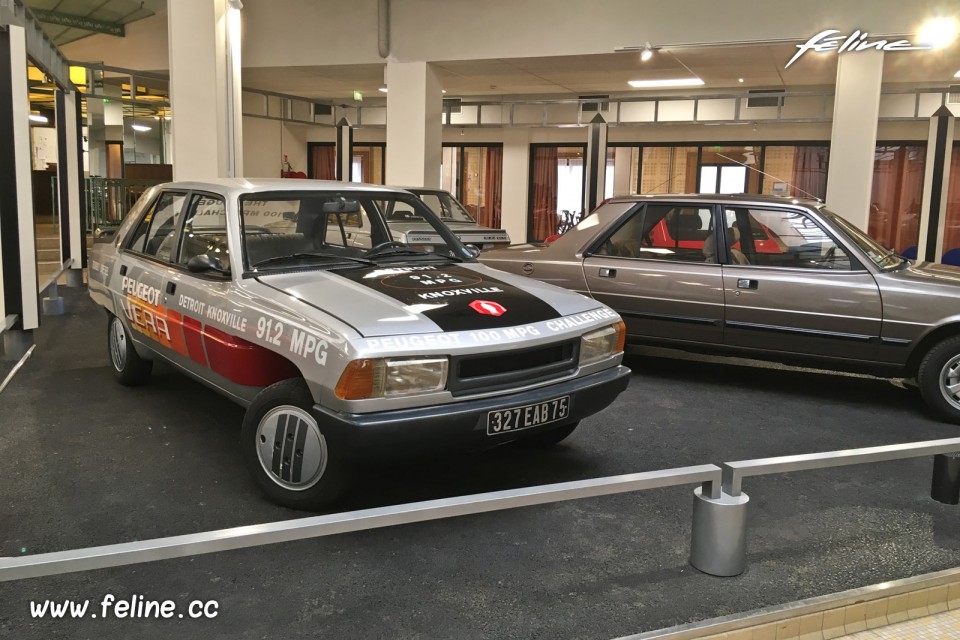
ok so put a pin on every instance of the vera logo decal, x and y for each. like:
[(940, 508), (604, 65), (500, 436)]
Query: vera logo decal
[(488, 308)]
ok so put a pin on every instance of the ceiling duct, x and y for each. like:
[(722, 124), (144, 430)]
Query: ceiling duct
[(597, 104), (765, 98), (383, 28)]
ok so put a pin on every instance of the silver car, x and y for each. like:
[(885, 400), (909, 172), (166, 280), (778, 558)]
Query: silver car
[(456, 216), (337, 350), (760, 276)]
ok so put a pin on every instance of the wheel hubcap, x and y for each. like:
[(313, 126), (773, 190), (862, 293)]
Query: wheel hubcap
[(291, 449), (950, 381), (118, 344)]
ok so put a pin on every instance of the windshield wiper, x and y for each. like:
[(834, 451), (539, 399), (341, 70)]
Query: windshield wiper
[(396, 251), (312, 255)]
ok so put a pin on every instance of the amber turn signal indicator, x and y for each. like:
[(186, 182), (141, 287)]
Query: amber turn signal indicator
[(357, 381), (621, 336)]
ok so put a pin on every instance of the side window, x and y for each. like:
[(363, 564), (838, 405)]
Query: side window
[(780, 238), (205, 231), (157, 233), (665, 232)]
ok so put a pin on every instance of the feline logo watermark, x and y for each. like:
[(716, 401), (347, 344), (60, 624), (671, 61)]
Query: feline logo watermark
[(857, 41)]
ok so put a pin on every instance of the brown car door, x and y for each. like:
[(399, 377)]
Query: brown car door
[(658, 268), (791, 287)]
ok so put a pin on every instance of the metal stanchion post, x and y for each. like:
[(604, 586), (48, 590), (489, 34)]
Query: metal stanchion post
[(945, 486), (719, 542)]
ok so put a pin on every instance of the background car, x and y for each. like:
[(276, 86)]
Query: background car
[(766, 277), (456, 216), (340, 348)]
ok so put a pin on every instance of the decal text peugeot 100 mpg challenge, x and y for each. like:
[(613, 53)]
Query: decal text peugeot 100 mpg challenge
[(339, 340)]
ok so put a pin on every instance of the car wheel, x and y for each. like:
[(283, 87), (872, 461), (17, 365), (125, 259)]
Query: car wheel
[(287, 451), (549, 438), (128, 367), (939, 379)]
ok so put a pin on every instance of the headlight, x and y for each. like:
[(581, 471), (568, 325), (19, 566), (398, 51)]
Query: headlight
[(601, 344), (392, 377)]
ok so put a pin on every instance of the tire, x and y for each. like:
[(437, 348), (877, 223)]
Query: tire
[(129, 368), (939, 379), (549, 438), (288, 452)]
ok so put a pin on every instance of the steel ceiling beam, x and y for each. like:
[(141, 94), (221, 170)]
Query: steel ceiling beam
[(41, 50), (79, 22)]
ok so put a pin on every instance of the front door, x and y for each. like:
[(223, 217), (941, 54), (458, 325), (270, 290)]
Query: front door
[(659, 270), (790, 287)]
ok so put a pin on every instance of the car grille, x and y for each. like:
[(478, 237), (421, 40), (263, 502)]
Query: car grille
[(508, 369)]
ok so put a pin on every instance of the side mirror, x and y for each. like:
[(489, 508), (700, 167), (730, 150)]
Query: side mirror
[(472, 250), (203, 263)]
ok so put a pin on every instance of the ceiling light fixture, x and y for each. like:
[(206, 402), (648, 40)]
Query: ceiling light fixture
[(740, 80), (957, 74), (140, 127), (647, 53), (382, 89), (668, 82), (938, 33), (36, 117)]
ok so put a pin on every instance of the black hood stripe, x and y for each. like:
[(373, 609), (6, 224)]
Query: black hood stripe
[(444, 295)]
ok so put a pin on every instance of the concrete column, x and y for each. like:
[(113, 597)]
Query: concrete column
[(596, 163), (936, 181), (18, 250), (69, 175), (204, 37), (515, 185), (414, 124), (853, 142), (344, 151), (623, 170)]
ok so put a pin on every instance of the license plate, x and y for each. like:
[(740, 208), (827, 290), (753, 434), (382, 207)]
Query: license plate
[(531, 415)]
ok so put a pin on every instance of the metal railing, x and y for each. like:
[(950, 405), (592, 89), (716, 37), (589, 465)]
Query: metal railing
[(241, 537), (109, 199), (718, 534)]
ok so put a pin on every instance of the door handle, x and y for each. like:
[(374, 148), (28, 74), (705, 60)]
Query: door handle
[(744, 283), (123, 269), (607, 273), (171, 287)]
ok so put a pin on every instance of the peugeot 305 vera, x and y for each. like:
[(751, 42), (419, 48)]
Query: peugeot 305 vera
[(766, 277), (337, 350)]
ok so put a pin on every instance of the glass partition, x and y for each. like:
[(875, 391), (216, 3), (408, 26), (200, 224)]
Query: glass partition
[(557, 188), (896, 195), (669, 170), (799, 171)]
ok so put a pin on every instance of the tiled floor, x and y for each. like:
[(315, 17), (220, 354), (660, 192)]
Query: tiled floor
[(942, 626)]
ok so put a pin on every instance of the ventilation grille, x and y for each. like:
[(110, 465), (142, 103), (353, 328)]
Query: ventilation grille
[(595, 107), (451, 105), (954, 96), (322, 110), (765, 98)]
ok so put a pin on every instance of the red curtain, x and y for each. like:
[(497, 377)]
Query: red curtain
[(544, 206), (951, 230), (324, 162), (896, 194), (810, 172), (492, 183)]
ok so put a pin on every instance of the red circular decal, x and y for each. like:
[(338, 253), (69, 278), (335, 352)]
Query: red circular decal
[(488, 308)]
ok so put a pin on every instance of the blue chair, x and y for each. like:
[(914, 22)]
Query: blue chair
[(910, 253), (951, 257)]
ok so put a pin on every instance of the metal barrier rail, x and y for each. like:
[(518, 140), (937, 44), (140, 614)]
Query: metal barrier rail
[(52, 280), (735, 472), (116, 555), (52, 303), (109, 199)]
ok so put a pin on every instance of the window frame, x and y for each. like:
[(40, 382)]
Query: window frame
[(149, 211), (175, 263)]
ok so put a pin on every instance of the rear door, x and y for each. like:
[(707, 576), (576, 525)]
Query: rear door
[(790, 286), (659, 270)]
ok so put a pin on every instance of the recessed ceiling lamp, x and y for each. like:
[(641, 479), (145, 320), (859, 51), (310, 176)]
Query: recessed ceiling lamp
[(647, 53), (36, 117), (667, 82), (957, 74), (140, 127), (740, 80), (938, 33), (382, 89)]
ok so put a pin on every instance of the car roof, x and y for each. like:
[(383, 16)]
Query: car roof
[(238, 186), (718, 197)]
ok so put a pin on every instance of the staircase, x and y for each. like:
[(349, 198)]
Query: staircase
[(48, 250)]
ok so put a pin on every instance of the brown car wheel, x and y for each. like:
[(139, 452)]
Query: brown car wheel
[(939, 379), (287, 451)]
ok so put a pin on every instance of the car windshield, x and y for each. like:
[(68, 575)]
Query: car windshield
[(327, 229), (446, 206), (884, 258)]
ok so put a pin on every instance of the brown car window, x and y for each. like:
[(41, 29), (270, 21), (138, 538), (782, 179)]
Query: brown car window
[(665, 232), (780, 238)]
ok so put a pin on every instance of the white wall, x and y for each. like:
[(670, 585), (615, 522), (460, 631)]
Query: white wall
[(265, 142)]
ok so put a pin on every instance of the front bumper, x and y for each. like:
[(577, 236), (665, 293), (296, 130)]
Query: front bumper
[(463, 424)]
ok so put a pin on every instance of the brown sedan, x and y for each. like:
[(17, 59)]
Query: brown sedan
[(763, 277)]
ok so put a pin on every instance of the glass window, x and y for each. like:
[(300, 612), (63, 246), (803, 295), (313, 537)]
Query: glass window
[(780, 238), (951, 229), (368, 163), (669, 170), (474, 175), (557, 177), (737, 169), (665, 232), (897, 191), (796, 171), (205, 231), (157, 232)]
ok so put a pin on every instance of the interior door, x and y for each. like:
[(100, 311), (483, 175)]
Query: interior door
[(659, 270), (790, 287)]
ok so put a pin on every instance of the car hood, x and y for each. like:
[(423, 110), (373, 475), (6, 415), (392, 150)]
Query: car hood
[(929, 274), (418, 298)]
